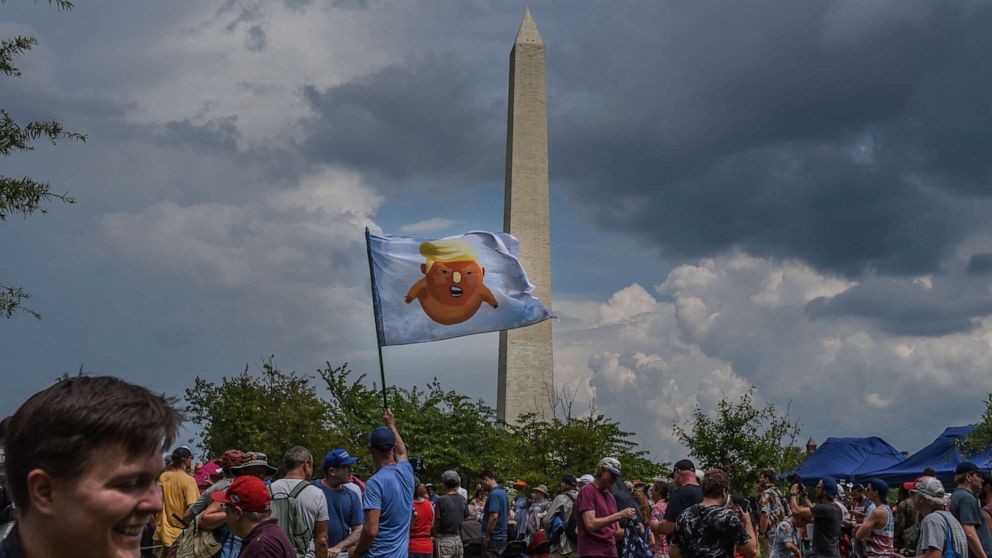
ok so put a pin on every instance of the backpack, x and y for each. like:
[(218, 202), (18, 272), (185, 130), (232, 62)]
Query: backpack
[(635, 544), (949, 551), (571, 530), (6, 503), (290, 520)]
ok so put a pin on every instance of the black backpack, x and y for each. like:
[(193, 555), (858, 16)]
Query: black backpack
[(6, 503)]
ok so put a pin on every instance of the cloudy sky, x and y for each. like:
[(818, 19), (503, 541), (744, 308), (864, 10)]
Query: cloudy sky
[(793, 196)]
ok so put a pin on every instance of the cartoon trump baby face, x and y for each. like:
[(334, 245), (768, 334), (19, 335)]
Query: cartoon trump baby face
[(451, 290)]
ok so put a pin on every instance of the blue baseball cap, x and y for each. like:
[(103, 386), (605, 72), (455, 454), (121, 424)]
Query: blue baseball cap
[(830, 486), (338, 457), (382, 438)]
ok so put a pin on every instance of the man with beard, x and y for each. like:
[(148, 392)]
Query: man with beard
[(826, 517)]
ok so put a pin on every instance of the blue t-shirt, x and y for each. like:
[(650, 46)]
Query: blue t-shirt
[(390, 491), (497, 503), (344, 510)]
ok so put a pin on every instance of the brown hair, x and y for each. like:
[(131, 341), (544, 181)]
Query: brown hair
[(59, 429), (642, 501), (715, 483), (420, 491)]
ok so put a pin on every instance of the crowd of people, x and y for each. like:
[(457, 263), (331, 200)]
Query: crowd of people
[(84, 477)]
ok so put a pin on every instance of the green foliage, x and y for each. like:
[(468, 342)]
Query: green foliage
[(741, 439), (550, 449), (980, 439), (25, 195), (268, 412), (445, 429)]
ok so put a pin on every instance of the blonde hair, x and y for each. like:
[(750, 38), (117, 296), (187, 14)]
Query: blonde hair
[(447, 250)]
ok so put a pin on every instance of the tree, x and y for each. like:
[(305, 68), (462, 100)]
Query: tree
[(980, 439), (447, 430), (741, 439), (268, 412), (25, 195)]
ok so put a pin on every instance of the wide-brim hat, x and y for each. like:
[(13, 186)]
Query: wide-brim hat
[(254, 459), (541, 488)]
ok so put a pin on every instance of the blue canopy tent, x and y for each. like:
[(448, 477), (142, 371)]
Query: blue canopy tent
[(847, 458), (942, 455)]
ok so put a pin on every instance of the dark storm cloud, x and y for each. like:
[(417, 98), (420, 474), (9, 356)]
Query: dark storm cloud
[(910, 308), (217, 134), (980, 264), (419, 122), (840, 134)]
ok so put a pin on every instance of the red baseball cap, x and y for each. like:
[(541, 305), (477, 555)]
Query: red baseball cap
[(248, 493)]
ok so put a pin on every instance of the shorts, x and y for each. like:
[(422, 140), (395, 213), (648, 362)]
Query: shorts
[(450, 546)]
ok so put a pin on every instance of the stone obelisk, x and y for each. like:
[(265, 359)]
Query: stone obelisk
[(526, 365)]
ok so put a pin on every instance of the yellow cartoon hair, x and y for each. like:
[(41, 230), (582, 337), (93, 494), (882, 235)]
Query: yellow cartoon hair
[(447, 250)]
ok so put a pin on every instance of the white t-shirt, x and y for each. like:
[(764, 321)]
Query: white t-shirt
[(463, 493), (354, 488), (311, 504)]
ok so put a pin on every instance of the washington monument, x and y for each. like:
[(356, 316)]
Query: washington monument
[(526, 381)]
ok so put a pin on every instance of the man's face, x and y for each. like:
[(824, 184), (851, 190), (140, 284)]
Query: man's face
[(487, 483), (606, 478), (339, 474), (103, 512), (974, 481), (819, 489)]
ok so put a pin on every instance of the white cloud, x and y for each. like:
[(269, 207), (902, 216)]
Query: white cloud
[(428, 225), (733, 321), (290, 263)]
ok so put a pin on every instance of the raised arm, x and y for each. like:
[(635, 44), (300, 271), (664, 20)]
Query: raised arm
[(399, 450)]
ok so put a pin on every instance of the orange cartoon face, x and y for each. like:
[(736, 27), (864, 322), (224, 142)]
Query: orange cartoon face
[(454, 283), (451, 290)]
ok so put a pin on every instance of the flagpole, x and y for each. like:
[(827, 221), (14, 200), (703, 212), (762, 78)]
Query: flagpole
[(378, 317)]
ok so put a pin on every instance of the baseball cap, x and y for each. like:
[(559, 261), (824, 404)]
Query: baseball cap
[(337, 457), (248, 493), (212, 469), (382, 438), (182, 452), (254, 459), (830, 486), (451, 475), (684, 465), (569, 480), (929, 486), (911, 485), (880, 486), (611, 464), (520, 483), (586, 479), (966, 467)]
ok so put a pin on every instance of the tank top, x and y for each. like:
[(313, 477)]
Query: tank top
[(420, 528), (879, 543)]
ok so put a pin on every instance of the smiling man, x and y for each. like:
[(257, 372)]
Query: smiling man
[(83, 460)]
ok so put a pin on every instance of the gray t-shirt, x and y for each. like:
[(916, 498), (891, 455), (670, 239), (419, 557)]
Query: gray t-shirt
[(933, 533), (968, 511), (311, 504), (206, 498)]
